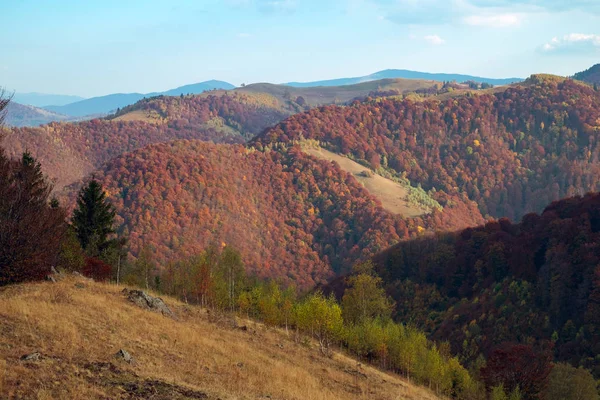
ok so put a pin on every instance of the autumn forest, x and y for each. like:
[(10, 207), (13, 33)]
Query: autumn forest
[(488, 289)]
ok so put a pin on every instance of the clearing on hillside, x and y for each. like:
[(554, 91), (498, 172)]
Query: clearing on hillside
[(149, 116), (392, 195), (73, 329)]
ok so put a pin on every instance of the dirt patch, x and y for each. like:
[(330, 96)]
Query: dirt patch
[(133, 387)]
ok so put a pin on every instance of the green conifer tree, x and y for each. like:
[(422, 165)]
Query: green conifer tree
[(93, 219)]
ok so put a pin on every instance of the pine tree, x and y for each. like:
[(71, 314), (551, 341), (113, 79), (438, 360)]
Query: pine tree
[(93, 219), (30, 229)]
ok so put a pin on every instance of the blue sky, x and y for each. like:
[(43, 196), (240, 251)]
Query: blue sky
[(91, 48)]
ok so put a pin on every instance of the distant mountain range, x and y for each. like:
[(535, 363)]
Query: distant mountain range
[(44, 99), (21, 115), (106, 104), (405, 74)]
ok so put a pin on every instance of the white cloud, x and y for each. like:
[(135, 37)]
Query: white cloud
[(574, 42), (435, 40), (494, 21)]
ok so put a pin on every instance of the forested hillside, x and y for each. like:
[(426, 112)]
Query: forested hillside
[(512, 152), (291, 215), (590, 75), (536, 283), (70, 151)]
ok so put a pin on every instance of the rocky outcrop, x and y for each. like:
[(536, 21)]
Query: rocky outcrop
[(144, 300)]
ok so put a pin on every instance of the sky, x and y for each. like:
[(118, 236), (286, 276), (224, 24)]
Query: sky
[(91, 48)]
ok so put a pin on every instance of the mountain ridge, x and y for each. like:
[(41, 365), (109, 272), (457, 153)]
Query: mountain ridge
[(405, 74), (111, 102)]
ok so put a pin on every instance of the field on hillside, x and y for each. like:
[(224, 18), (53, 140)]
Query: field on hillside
[(321, 95), (78, 325), (392, 195)]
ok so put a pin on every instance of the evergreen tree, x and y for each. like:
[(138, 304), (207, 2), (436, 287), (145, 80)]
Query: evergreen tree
[(30, 229), (93, 219)]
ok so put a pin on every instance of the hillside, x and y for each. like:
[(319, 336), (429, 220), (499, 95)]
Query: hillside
[(511, 151), (536, 282), (78, 326), (405, 74), (339, 94), (20, 115), (392, 195), (290, 215), (591, 75), (103, 105), (70, 151)]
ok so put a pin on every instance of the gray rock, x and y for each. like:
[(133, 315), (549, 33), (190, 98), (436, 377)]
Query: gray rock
[(32, 357), (144, 300), (125, 356)]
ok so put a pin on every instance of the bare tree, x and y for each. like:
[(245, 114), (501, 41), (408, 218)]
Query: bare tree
[(4, 100)]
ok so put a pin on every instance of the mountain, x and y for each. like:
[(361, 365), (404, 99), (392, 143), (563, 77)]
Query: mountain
[(71, 151), (591, 75), (43, 99), (195, 88), (78, 326), (20, 115), (106, 104), (406, 74), (292, 216), (536, 282), (512, 151)]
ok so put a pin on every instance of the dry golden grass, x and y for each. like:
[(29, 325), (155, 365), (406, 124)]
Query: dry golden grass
[(151, 117), (391, 194), (79, 330)]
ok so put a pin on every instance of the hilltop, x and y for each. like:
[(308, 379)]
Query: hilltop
[(78, 326)]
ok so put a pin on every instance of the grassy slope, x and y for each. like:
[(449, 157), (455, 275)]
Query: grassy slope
[(78, 331), (331, 94), (391, 194)]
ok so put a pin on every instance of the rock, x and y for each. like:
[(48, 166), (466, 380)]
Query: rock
[(144, 300), (240, 365), (32, 357), (125, 356), (80, 285)]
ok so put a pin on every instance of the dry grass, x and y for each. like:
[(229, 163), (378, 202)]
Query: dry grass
[(78, 331), (151, 117), (391, 194)]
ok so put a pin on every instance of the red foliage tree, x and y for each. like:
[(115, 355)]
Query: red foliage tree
[(97, 269), (517, 365)]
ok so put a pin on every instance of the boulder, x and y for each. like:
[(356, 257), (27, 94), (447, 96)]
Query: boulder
[(32, 357), (125, 356), (144, 300)]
